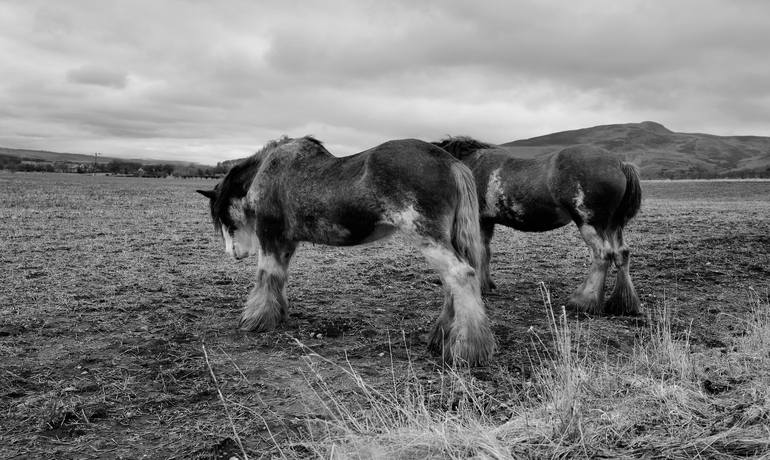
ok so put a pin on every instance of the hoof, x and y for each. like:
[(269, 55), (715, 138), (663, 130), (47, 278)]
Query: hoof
[(623, 302), (260, 323), (473, 346), (438, 342), (585, 304), (475, 351)]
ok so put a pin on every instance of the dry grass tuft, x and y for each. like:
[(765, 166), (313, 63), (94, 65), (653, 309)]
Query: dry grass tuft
[(660, 353), (442, 418), (652, 402)]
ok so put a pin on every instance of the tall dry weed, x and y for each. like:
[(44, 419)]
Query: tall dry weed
[(659, 352)]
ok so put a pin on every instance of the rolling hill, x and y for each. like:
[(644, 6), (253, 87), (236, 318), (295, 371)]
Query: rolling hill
[(656, 150), (662, 153)]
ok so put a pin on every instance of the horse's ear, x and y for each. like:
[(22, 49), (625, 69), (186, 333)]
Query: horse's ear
[(211, 194)]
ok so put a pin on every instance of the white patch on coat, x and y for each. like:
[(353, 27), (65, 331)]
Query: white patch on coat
[(405, 219), (516, 208), (495, 193), (580, 205), (496, 199)]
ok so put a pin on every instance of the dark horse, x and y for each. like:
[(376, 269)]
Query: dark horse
[(294, 190), (583, 184)]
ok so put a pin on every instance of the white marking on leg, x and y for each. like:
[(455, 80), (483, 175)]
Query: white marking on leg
[(470, 336), (599, 246), (270, 264), (590, 292), (457, 276), (600, 249), (266, 305)]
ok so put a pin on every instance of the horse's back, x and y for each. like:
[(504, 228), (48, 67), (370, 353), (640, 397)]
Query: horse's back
[(355, 199), (410, 169), (409, 154)]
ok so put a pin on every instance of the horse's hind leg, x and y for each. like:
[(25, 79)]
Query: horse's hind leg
[(487, 231), (462, 331), (623, 300), (589, 296), (266, 306)]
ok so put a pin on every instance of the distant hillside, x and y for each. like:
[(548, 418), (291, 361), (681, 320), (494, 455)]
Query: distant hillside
[(44, 155), (658, 151), (661, 153)]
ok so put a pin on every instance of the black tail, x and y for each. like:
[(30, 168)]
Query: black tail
[(632, 199)]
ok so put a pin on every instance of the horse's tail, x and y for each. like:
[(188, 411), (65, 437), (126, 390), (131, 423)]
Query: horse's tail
[(632, 199), (466, 233)]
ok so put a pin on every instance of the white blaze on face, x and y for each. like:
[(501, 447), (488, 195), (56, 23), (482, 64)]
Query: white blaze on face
[(228, 241)]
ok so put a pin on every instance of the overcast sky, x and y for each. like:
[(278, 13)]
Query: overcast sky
[(206, 81)]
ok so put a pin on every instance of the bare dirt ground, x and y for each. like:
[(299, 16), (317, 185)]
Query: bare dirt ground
[(111, 288)]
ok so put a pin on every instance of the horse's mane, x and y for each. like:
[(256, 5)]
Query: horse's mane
[(462, 146), (238, 179), (270, 146)]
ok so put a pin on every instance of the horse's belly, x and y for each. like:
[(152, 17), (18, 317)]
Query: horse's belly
[(534, 219), (342, 230)]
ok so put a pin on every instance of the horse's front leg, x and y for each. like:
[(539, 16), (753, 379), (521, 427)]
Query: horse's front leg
[(266, 306)]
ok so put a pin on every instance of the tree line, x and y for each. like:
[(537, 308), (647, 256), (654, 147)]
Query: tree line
[(114, 167)]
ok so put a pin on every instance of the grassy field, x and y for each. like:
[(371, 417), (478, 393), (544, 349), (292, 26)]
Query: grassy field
[(118, 339)]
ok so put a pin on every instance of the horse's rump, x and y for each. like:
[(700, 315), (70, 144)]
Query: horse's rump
[(632, 199)]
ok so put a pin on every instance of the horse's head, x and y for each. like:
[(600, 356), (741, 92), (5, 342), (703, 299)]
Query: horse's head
[(231, 211), (233, 219)]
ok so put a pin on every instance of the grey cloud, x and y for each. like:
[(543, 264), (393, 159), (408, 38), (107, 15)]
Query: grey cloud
[(358, 73), (91, 75), (587, 46)]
